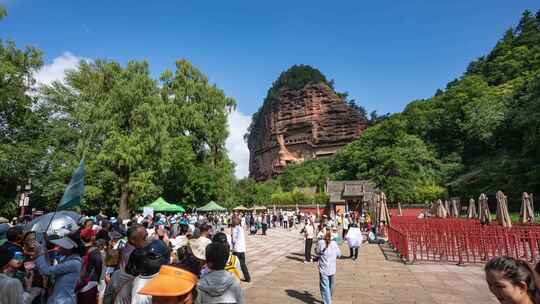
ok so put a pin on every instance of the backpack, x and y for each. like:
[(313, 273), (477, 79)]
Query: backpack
[(85, 276), (231, 266)]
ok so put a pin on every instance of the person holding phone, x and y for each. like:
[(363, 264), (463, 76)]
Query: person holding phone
[(66, 273), (11, 289)]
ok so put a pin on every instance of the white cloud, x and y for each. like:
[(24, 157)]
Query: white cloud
[(57, 69), (235, 144)]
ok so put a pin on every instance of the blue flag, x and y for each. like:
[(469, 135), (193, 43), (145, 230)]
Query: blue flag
[(75, 189)]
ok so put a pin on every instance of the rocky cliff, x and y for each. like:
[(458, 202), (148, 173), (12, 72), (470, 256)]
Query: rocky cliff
[(299, 124)]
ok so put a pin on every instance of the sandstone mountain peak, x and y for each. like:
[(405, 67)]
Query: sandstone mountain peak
[(302, 118)]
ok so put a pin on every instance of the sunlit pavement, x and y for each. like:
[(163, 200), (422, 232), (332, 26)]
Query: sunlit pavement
[(279, 275)]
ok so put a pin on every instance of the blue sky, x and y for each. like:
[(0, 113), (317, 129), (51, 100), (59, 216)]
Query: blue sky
[(384, 53)]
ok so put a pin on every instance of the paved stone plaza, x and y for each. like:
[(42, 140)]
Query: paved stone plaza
[(279, 275)]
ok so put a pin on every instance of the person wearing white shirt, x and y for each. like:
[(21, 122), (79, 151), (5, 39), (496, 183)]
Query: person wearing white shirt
[(239, 247), (243, 221), (354, 240), (328, 252), (309, 233), (345, 225)]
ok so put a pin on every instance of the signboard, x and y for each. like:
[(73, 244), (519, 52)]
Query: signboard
[(24, 201), (148, 211)]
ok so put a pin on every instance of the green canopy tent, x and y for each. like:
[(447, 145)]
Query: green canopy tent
[(211, 207), (178, 207), (160, 205)]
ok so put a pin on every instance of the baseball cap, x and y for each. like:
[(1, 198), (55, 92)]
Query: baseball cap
[(220, 237), (18, 256), (65, 243), (170, 282), (157, 249)]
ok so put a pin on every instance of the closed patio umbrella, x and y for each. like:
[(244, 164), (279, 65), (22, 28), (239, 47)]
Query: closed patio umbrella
[(503, 217), (484, 214), (471, 212), (526, 214), (433, 208), (399, 212), (447, 207), (384, 215), (454, 208), (531, 198), (440, 210)]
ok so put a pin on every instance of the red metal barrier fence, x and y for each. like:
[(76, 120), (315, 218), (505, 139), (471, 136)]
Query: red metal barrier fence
[(461, 241)]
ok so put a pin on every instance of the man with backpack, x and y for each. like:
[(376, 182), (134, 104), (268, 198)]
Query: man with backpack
[(92, 266)]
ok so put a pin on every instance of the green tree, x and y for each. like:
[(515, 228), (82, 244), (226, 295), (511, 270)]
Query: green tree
[(197, 117), (22, 123), (249, 192), (199, 109), (400, 163), (311, 173), (119, 117)]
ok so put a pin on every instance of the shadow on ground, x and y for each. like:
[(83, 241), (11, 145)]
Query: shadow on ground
[(389, 253), (294, 258), (305, 297)]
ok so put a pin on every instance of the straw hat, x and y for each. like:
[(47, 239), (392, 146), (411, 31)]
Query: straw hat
[(179, 241), (170, 282), (198, 247)]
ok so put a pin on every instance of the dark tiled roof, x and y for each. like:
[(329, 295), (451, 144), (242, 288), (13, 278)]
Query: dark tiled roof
[(338, 190), (352, 190), (336, 198)]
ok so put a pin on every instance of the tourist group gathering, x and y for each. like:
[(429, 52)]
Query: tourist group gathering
[(189, 258), (184, 258)]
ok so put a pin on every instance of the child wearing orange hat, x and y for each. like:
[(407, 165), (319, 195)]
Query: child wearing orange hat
[(172, 285)]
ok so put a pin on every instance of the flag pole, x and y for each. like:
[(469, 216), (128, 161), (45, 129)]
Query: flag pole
[(66, 198), (52, 217)]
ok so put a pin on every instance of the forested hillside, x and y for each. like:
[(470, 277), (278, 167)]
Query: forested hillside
[(479, 134)]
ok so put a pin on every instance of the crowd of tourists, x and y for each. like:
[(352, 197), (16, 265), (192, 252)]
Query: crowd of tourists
[(185, 258), (190, 258)]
